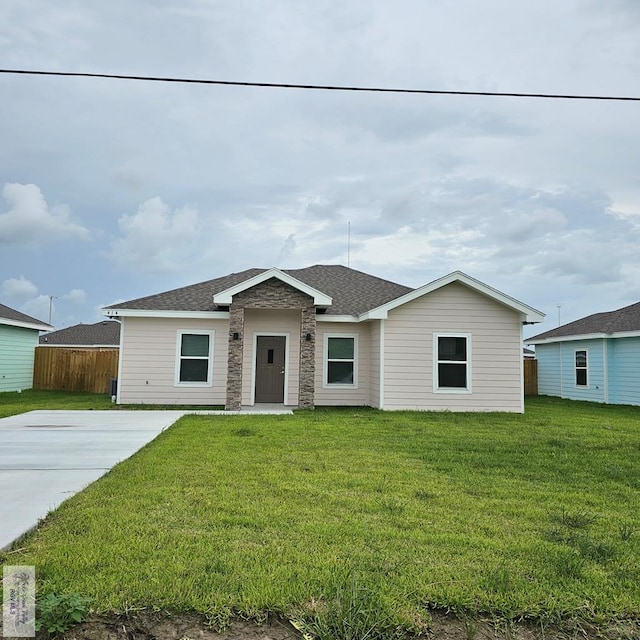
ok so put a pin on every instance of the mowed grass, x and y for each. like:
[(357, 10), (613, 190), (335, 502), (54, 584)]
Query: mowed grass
[(517, 516), (12, 402)]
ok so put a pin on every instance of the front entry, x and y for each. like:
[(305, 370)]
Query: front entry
[(270, 368)]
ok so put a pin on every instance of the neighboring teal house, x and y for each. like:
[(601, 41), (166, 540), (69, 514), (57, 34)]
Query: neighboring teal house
[(18, 339), (596, 358)]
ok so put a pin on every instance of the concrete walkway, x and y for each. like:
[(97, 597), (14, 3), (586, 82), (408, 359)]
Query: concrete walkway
[(47, 456)]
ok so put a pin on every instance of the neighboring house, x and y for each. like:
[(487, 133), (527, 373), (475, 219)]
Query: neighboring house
[(83, 357), (325, 335), (101, 335), (596, 358), (18, 340), (527, 354)]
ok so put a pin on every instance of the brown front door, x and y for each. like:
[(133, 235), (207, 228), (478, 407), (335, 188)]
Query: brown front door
[(270, 368)]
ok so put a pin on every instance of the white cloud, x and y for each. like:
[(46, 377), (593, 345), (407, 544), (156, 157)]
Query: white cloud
[(157, 239), (31, 220), (77, 296), (42, 306), (19, 288), (38, 307), (516, 192)]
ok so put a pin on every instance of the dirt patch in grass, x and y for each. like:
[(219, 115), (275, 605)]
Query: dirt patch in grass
[(191, 626)]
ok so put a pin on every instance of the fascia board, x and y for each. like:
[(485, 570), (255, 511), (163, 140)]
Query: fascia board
[(584, 336), (39, 326), (225, 297), (148, 313)]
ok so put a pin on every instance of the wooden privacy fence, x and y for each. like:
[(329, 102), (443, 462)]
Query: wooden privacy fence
[(530, 377), (65, 369)]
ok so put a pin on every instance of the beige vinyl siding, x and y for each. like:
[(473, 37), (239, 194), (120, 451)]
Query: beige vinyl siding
[(374, 369), (343, 396), (148, 362), (271, 322), (495, 352)]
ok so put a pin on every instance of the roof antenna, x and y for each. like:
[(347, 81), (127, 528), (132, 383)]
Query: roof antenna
[(348, 243)]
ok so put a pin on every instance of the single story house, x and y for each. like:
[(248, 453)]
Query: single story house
[(100, 335), (596, 358), (18, 339), (324, 335)]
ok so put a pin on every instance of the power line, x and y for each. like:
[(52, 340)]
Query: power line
[(319, 87)]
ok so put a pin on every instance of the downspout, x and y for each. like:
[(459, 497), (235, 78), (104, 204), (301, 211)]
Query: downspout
[(120, 359), (521, 368), (381, 400), (605, 367)]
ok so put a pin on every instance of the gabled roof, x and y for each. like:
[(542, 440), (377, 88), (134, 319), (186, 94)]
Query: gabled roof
[(15, 318), (100, 334), (340, 290), (225, 297), (351, 292), (606, 324), (529, 314)]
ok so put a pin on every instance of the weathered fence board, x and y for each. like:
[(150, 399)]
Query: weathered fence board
[(530, 377), (68, 369)]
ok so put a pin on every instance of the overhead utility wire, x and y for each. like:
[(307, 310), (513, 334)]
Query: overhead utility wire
[(319, 87)]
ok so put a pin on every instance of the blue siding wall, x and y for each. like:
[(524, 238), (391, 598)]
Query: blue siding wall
[(548, 356), (624, 370), (557, 374), (17, 351)]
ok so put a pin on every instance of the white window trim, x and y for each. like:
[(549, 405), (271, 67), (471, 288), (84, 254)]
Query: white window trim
[(176, 381), (575, 368), (325, 361), (453, 390)]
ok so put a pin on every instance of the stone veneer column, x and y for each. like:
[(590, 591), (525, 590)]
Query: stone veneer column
[(234, 361), (307, 358)]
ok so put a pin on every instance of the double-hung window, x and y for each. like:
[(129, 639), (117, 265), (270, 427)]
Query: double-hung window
[(452, 363), (194, 359), (581, 368), (341, 360)]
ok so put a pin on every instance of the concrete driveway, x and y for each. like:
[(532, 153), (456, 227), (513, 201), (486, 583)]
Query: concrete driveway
[(47, 456)]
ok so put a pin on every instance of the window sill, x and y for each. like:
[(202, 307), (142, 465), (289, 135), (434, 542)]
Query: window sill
[(193, 384), (338, 385)]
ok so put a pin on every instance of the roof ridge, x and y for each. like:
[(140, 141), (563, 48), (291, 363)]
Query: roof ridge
[(342, 266)]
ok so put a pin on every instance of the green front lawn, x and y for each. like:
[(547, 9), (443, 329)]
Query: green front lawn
[(12, 402), (534, 516)]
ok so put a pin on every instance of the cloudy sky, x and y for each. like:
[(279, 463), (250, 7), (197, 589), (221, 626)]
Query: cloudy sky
[(111, 190)]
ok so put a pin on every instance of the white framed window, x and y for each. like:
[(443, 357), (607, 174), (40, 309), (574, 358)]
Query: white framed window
[(582, 367), (194, 358), (340, 360), (452, 363)]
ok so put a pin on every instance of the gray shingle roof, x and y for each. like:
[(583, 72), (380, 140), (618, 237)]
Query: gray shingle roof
[(106, 332), (8, 313), (353, 291), (625, 319)]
